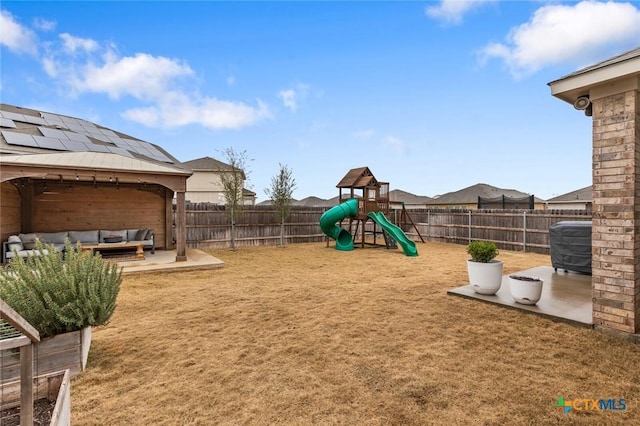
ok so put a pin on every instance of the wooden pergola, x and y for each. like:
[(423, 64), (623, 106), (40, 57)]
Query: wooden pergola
[(61, 173), (46, 179)]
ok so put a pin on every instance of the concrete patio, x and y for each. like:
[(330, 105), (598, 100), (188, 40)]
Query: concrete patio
[(566, 296), (165, 261)]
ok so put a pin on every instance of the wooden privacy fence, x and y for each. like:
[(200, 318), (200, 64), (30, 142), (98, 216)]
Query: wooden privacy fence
[(518, 230), (208, 226)]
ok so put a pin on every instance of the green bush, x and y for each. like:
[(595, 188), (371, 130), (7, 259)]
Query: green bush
[(482, 251), (61, 292)]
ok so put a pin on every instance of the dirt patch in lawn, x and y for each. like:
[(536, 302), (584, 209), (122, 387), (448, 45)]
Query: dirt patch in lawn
[(306, 334)]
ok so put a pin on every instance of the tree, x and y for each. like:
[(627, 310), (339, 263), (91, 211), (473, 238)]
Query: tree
[(233, 181), (280, 192)]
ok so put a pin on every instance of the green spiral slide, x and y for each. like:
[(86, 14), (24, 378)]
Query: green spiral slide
[(408, 245), (335, 214)]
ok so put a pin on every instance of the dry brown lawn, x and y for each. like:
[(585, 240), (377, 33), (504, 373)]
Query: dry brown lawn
[(306, 334)]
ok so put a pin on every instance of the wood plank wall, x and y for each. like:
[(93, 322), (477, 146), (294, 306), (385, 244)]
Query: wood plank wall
[(80, 207), (9, 210)]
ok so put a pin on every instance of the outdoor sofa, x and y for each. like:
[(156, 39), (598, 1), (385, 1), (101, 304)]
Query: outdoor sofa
[(25, 244)]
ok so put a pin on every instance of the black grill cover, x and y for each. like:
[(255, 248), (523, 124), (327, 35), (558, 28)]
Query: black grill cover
[(570, 246)]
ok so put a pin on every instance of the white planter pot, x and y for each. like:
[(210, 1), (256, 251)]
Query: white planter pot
[(525, 290), (485, 278)]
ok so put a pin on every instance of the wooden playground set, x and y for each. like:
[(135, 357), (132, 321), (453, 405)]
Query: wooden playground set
[(360, 186)]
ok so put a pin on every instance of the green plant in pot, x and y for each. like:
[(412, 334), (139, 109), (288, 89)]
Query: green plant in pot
[(485, 272), (60, 292)]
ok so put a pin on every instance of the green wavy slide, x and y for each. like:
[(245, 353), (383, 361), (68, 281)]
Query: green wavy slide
[(328, 220), (408, 245)]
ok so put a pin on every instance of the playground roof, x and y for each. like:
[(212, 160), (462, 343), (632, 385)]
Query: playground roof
[(360, 177)]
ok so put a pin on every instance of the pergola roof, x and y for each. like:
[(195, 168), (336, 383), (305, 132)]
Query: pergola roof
[(47, 145), (90, 161)]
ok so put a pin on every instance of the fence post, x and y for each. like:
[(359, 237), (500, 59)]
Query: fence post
[(469, 226), (524, 230), (428, 225)]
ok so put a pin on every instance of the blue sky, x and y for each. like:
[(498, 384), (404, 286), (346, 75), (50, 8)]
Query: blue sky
[(432, 96)]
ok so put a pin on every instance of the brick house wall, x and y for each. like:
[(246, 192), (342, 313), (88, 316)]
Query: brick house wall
[(616, 212)]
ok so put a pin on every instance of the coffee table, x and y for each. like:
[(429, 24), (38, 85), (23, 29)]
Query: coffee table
[(102, 247)]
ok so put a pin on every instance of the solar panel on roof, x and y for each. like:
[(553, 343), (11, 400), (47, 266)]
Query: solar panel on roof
[(49, 143), (12, 115), (55, 123), (19, 139), (118, 150), (100, 137), (23, 118), (90, 127), (74, 145), (99, 148), (76, 128), (77, 137), (7, 122), (33, 120), (108, 132), (53, 133)]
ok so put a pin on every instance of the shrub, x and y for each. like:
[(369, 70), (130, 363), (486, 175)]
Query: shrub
[(61, 292), (482, 251)]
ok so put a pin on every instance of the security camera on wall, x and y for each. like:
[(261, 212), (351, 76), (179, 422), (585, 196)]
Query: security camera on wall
[(582, 103)]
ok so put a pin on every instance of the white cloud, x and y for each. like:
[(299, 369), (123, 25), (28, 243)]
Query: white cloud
[(288, 98), (16, 37), (452, 11), (44, 24), (291, 97), (395, 143), (73, 44), (176, 109), (142, 76), (576, 34), (83, 65), (165, 87)]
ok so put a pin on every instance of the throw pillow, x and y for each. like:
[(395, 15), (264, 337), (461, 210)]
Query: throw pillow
[(28, 241), (15, 243), (149, 234), (140, 235)]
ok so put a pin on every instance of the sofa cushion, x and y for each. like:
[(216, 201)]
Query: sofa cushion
[(84, 237), (140, 235), (26, 253), (28, 240), (120, 233), (15, 243), (53, 237)]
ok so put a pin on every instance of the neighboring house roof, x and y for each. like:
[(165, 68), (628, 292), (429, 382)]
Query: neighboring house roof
[(470, 194), (29, 131), (360, 177), (208, 164), (407, 197), (395, 195), (579, 195)]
